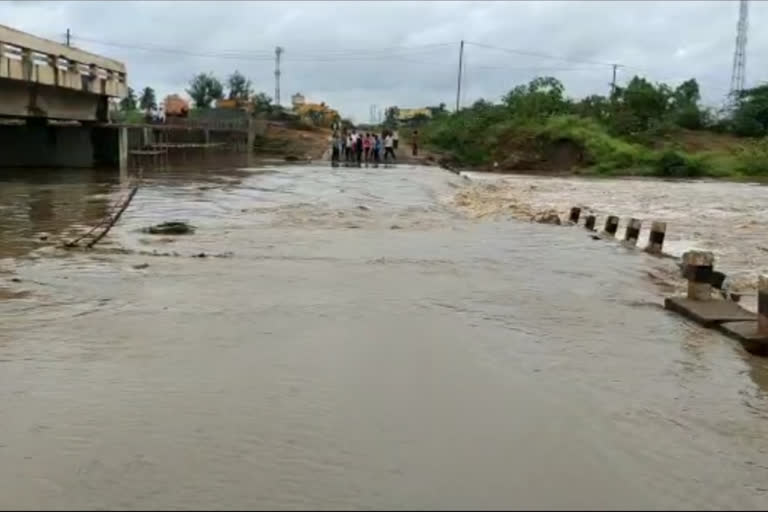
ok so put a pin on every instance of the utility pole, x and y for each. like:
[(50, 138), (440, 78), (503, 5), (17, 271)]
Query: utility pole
[(458, 87), (613, 82), (278, 51), (68, 35)]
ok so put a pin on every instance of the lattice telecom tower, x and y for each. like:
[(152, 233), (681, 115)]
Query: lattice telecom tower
[(738, 75)]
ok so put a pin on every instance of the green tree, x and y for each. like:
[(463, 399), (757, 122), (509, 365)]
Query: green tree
[(645, 102), (391, 117), (239, 87), (543, 96), (687, 93), (750, 117), (594, 106), (685, 103), (262, 103), (128, 104), (147, 100), (204, 88)]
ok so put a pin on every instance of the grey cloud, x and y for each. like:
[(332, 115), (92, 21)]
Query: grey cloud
[(664, 40)]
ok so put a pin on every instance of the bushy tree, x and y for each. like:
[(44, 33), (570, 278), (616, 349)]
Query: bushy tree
[(128, 104), (239, 87), (750, 117), (391, 117), (594, 106), (543, 96), (204, 88), (262, 103), (645, 102), (147, 100)]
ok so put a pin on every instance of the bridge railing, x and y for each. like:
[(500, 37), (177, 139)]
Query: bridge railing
[(32, 59)]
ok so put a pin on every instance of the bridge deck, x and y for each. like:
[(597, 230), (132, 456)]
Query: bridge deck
[(32, 59)]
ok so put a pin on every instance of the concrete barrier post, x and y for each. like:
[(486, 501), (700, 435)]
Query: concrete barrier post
[(589, 222), (697, 268), (632, 232), (656, 238), (575, 213), (611, 225), (762, 304), (122, 148)]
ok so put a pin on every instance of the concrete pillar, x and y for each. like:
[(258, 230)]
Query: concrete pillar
[(207, 134), (149, 138), (251, 134), (656, 238), (611, 225), (632, 232), (697, 268), (123, 148), (575, 213), (762, 304), (589, 222)]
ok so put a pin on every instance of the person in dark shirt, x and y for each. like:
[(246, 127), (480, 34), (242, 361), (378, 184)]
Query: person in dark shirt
[(359, 150)]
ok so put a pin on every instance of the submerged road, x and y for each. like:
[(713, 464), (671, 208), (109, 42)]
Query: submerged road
[(352, 340)]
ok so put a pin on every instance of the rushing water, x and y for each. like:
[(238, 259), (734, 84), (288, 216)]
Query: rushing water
[(352, 339)]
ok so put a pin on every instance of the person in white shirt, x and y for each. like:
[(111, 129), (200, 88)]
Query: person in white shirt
[(389, 143), (350, 147)]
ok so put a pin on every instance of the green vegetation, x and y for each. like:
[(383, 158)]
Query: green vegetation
[(147, 100), (239, 87), (204, 88), (641, 129)]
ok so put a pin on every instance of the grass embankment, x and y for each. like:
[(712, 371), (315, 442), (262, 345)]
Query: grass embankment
[(581, 145)]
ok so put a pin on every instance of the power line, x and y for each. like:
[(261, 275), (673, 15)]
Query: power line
[(353, 54), (540, 55)]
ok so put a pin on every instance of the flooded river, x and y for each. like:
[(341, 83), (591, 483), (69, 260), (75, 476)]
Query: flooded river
[(358, 338)]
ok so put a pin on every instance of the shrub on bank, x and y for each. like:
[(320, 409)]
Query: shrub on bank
[(676, 164)]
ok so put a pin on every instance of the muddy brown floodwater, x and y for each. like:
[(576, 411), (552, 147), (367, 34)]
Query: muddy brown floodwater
[(355, 339)]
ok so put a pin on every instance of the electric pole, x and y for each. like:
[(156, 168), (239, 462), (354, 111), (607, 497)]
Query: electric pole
[(458, 87), (68, 37), (613, 82), (278, 51)]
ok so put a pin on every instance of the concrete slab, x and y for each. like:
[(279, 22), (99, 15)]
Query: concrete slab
[(708, 313), (746, 334)]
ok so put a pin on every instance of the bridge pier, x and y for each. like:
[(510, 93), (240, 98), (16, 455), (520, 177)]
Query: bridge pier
[(35, 144), (122, 149)]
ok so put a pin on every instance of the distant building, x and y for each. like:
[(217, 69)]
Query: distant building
[(318, 113), (407, 114), (175, 106), (298, 100)]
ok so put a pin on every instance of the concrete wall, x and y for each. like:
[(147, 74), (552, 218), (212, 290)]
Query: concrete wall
[(26, 99), (38, 145)]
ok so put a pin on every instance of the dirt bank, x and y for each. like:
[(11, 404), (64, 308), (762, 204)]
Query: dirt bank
[(285, 141)]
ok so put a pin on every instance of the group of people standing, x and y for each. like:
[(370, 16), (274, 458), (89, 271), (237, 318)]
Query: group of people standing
[(357, 147)]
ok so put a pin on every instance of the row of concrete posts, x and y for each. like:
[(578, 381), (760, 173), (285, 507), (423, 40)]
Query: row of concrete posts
[(631, 234), (699, 305)]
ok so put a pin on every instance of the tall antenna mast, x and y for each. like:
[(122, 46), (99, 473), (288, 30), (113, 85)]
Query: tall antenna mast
[(739, 73), (278, 51)]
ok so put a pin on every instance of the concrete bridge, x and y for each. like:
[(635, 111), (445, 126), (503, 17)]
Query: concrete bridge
[(44, 79), (54, 111), (54, 101)]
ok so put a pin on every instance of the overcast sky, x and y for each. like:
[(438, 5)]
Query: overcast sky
[(354, 54)]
